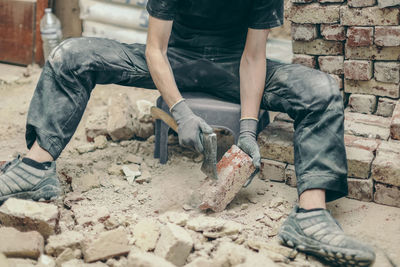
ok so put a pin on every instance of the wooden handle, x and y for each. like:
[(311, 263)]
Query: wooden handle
[(165, 117)]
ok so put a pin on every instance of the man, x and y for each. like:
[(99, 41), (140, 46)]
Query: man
[(217, 47)]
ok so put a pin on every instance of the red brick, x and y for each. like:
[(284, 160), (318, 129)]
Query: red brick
[(359, 70), (338, 79), (306, 60), (361, 189), (234, 170), (388, 72), (395, 123), (272, 170), (333, 32), (360, 36), (318, 47), (373, 52), (314, 14), (386, 167), (361, 3), (387, 195), (369, 16), (359, 161), (362, 142), (387, 35), (362, 103), (290, 176), (304, 32), (331, 64), (372, 87), (385, 107), (369, 126)]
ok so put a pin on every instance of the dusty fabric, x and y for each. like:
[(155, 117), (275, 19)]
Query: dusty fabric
[(309, 96), (222, 23)]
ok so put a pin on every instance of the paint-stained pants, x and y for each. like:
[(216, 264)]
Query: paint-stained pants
[(309, 96)]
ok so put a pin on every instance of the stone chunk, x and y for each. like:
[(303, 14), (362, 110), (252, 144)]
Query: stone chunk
[(386, 168), (361, 189), (20, 244), (27, 215), (234, 170), (372, 87), (56, 244), (65, 256), (385, 107), (331, 64), (314, 14), (174, 245), (276, 142), (144, 259), (214, 227), (121, 116), (368, 16), (86, 182), (363, 125), (395, 123), (96, 123), (272, 170), (387, 35), (387, 72), (106, 245), (360, 70), (387, 195), (333, 32), (146, 233), (362, 103), (89, 216), (318, 47), (100, 142)]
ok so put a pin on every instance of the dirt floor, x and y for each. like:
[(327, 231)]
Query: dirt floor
[(174, 186)]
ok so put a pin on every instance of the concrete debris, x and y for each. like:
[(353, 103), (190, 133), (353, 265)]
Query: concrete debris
[(145, 177), (214, 227), (120, 118), (273, 214), (15, 262), (106, 245), (146, 233), (174, 245), (96, 123), (27, 215), (86, 182), (131, 172), (86, 148), (130, 158), (56, 244), (115, 170), (3, 261), (145, 259), (100, 142), (178, 218), (80, 263), (89, 216), (66, 255), (45, 261), (20, 244)]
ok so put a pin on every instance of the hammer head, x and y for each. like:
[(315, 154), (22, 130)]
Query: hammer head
[(209, 166)]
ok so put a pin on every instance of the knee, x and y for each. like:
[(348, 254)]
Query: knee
[(70, 55)]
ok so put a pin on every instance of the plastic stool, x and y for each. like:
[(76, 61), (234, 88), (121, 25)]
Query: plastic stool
[(216, 112)]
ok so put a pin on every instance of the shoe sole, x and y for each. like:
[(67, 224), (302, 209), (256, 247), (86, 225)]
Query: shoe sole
[(334, 255), (45, 193)]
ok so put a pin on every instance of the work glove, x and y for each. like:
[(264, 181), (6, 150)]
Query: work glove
[(247, 140), (190, 127)]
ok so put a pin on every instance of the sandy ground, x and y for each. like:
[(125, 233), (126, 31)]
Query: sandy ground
[(174, 185)]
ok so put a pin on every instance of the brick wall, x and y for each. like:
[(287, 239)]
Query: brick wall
[(358, 43)]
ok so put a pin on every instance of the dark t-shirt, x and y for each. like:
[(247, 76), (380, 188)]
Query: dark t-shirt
[(216, 23)]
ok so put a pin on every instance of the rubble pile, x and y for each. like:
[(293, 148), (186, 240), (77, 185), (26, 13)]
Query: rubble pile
[(358, 43)]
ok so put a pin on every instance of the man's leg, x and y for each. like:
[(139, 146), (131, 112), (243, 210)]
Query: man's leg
[(60, 98), (313, 100)]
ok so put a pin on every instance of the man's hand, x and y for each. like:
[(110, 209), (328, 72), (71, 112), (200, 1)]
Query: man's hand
[(190, 127), (247, 140)]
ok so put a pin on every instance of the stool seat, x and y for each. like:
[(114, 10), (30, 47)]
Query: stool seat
[(218, 113)]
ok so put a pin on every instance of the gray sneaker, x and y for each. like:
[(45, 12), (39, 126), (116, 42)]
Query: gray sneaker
[(319, 234), (20, 180)]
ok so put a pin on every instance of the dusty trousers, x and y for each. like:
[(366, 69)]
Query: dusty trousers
[(310, 97)]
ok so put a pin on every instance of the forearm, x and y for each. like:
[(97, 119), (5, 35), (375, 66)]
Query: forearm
[(252, 83), (162, 75)]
